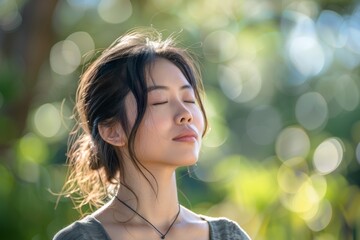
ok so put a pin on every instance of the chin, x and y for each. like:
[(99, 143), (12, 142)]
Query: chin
[(186, 162)]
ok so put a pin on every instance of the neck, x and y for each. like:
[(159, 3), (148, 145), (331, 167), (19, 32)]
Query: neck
[(158, 204)]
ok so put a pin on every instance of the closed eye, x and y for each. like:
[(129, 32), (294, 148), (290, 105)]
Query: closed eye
[(190, 101), (159, 103)]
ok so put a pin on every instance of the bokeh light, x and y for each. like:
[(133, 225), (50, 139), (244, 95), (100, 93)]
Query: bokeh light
[(347, 95), (115, 11), (84, 42), (28, 171), (306, 199), (47, 120), (10, 17), (290, 179), (304, 50), (332, 28), (240, 81), (354, 31), (83, 4), (340, 92), (219, 46), (218, 130), (65, 57), (322, 217), (292, 142), (307, 55), (328, 156), (358, 153), (33, 149), (320, 184), (218, 134), (304, 195), (347, 58), (307, 8), (230, 82), (311, 111)]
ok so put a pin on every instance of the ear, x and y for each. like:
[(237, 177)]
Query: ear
[(113, 134)]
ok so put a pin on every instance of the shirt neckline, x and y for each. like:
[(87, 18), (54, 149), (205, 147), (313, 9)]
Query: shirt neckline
[(103, 230)]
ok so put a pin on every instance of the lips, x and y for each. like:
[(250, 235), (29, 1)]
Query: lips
[(186, 136)]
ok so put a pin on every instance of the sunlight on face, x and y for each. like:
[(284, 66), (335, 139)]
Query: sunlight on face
[(171, 129)]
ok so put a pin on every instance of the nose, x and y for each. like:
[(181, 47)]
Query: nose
[(183, 116)]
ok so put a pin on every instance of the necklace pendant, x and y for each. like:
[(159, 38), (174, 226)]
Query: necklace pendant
[(162, 237)]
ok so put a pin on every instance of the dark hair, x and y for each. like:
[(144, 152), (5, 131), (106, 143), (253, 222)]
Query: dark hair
[(95, 167)]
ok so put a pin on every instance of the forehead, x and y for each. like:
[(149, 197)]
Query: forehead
[(163, 72)]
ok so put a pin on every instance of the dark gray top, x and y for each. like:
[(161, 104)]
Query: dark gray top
[(90, 228)]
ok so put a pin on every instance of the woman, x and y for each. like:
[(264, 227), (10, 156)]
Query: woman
[(141, 115)]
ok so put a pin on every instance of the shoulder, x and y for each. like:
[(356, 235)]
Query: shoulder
[(85, 229), (224, 228)]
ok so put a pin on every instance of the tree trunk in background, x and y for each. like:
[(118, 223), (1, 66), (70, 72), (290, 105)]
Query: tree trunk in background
[(23, 51)]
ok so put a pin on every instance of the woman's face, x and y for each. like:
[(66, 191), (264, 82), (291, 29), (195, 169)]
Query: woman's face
[(170, 132)]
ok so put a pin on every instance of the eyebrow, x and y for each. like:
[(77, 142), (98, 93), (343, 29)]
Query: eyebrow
[(161, 87)]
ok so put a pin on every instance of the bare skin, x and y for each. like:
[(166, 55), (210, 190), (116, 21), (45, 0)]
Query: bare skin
[(122, 223)]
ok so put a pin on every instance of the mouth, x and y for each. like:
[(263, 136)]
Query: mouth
[(186, 136)]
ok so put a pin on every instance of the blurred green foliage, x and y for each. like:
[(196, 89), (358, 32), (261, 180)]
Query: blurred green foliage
[(283, 93)]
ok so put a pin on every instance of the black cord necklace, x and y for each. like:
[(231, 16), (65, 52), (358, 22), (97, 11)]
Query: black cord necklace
[(162, 235)]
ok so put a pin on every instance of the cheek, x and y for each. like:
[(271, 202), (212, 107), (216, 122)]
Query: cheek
[(152, 130), (153, 124), (153, 120)]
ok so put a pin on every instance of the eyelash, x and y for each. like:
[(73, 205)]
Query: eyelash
[(160, 103)]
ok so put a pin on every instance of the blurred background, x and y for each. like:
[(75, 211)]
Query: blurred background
[(283, 91)]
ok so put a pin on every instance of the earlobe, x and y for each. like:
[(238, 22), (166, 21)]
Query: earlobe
[(112, 134)]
